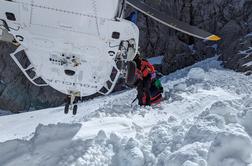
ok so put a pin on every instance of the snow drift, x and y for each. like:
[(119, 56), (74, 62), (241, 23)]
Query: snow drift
[(205, 121)]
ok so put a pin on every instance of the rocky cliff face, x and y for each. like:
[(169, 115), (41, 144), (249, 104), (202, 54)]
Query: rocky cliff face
[(230, 19)]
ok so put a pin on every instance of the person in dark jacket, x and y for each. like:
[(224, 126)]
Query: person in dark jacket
[(145, 74)]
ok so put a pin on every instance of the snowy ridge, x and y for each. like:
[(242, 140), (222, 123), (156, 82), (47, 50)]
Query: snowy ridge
[(205, 122), (2, 113)]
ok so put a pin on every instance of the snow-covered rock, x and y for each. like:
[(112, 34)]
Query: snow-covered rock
[(205, 129), (231, 147), (192, 153), (247, 121), (196, 74), (165, 135), (225, 110), (190, 163)]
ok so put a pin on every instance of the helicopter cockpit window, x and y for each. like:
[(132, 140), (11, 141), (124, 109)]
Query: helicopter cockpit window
[(39, 81), (31, 73), (104, 90), (113, 74), (109, 84), (23, 59)]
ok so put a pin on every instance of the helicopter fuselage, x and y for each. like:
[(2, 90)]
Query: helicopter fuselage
[(72, 46)]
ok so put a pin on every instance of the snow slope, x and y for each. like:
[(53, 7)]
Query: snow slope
[(156, 60), (205, 121)]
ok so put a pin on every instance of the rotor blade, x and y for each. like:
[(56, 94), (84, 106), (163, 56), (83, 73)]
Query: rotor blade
[(171, 22)]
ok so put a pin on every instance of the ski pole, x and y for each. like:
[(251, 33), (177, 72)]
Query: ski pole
[(133, 101)]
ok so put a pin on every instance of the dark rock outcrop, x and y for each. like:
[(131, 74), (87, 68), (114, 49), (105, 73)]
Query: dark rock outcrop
[(230, 19)]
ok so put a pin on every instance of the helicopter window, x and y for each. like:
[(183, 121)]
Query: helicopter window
[(103, 90), (69, 72), (31, 73), (39, 81), (109, 84), (115, 35), (113, 74), (119, 65), (23, 60), (10, 16)]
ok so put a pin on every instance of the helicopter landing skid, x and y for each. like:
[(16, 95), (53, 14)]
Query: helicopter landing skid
[(71, 103)]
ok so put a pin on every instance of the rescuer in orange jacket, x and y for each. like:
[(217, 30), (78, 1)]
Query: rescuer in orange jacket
[(145, 74)]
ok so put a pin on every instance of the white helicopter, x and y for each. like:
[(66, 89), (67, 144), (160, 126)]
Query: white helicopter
[(77, 47)]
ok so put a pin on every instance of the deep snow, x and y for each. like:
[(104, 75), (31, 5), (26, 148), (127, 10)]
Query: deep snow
[(156, 60), (205, 121)]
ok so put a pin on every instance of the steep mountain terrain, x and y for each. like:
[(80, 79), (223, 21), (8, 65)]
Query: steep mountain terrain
[(230, 19), (205, 121)]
